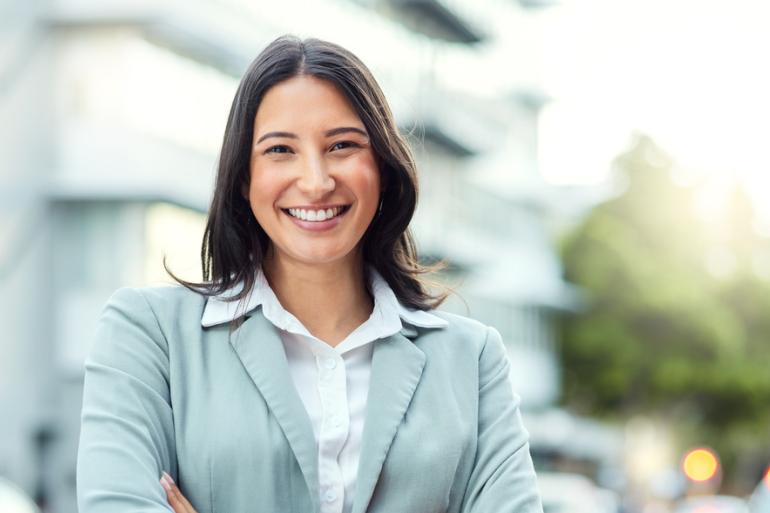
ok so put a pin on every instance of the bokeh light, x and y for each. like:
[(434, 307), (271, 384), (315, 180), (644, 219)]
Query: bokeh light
[(700, 464)]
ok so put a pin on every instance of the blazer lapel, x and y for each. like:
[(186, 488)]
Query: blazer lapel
[(259, 347), (397, 366)]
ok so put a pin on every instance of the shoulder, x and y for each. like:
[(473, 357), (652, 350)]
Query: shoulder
[(161, 302), (467, 352), (465, 334), (158, 313), (139, 324)]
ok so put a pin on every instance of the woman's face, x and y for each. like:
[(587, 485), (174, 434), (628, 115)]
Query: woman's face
[(315, 184)]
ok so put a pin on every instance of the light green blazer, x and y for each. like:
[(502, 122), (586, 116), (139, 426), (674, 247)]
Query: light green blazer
[(220, 413)]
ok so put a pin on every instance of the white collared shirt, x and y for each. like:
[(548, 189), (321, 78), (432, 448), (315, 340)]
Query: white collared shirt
[(332, 382)]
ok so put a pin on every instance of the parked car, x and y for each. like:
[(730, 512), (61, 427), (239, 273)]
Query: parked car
[(712, 504)]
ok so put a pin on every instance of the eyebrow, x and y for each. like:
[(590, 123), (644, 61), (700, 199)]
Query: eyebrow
[(344, 129), (328, 133)]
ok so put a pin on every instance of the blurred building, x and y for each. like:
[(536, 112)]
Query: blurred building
[(112, 112)]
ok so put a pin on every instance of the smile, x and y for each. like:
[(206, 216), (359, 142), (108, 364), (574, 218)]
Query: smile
[(316, 215)]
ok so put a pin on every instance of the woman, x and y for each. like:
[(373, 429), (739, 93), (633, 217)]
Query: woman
[(308, 372)]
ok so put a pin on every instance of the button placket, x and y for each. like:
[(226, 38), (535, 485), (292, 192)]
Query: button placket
[(333, 398), (333, 433), (330, 495)]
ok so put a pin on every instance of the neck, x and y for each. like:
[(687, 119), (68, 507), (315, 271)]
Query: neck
[(330, 300)]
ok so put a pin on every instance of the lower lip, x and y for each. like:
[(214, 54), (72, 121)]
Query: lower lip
[(317, 226)]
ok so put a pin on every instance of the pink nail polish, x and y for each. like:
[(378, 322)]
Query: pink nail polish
[(168, 476), (164, 483)]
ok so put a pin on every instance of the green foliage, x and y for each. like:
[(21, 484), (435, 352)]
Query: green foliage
[(661, 331)]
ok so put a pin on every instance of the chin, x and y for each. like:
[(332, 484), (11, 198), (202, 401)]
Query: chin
[(320, 256)]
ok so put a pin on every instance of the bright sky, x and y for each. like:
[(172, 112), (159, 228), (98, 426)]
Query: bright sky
[(693, 74)]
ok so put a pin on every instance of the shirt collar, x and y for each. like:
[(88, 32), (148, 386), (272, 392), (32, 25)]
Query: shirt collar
[(218, 310)]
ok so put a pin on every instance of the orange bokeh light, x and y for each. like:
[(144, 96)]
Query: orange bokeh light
[(700, 464), (767, 477)]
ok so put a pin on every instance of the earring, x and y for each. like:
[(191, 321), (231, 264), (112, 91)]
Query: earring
[(379, 208)]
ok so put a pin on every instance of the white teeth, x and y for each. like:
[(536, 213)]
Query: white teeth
[(315, 215)]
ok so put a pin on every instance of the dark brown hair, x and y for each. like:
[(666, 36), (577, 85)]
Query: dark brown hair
[(234, 244)]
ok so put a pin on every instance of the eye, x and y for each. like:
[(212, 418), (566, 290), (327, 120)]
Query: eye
[(279, 148), (343, 145)]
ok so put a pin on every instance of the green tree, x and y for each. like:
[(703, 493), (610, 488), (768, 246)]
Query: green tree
[(663, 329)]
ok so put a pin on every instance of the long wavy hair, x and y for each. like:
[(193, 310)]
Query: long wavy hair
[(234, 244)]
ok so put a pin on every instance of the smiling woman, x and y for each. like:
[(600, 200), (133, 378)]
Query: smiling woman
[(309, 371), (311, 112), (314, 157)]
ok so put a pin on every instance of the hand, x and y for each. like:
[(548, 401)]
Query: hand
[(174, 496)]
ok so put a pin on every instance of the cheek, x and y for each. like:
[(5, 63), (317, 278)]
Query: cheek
[(265, 188), (364, 178)]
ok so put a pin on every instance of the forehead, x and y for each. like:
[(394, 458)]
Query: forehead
[(304, 101)]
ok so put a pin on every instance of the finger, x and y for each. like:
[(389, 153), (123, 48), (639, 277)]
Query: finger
[(182, 498), (176, 499), (172, 496)]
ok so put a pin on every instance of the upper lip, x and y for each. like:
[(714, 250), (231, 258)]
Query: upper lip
[(318, 207)]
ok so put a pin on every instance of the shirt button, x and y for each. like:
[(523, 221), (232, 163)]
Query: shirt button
[(330, 363), (336, 421), (330, 495)]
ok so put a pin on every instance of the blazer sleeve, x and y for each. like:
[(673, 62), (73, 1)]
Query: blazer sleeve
[(503, 477), (127, 435)]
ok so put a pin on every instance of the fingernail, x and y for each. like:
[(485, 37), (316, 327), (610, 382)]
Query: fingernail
[(164, 483), (168, 476)]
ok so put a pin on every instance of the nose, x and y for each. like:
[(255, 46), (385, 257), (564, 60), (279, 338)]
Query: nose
[(315, 180)]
